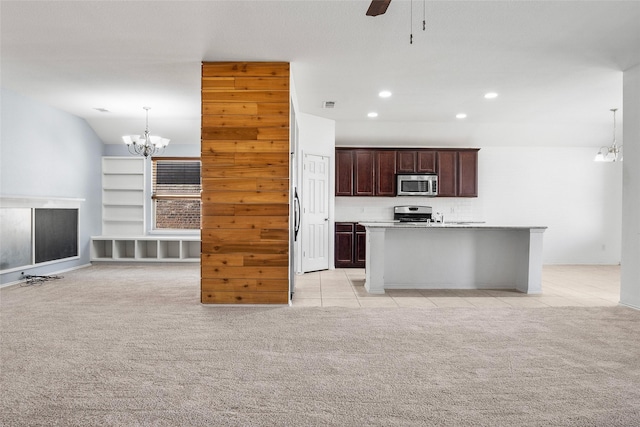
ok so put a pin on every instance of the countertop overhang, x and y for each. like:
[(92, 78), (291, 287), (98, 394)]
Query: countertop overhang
[(446, 225)]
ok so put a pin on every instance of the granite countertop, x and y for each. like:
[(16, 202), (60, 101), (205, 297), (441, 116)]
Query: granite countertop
[(434, 225)]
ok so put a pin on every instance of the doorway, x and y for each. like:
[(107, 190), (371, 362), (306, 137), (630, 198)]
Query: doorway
[(315, 213)]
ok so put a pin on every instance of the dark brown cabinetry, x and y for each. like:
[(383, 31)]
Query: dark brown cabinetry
[(426, 161), (372, 172), (407, 160), (385, 173), (350, 245), (416, 161), (365, 172), (457, 173), (447, 173), (344, 173), (468, 173)]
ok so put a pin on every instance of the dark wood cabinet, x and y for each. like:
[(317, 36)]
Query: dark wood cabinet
[(363, 172), (407, 160), (350, 245), (416, 161), (360, 240), (457, 173), (385, 173), (426, 161), (468, 173), (447, 173), (344, 173), (372, 171)]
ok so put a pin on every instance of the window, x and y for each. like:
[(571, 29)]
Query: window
[(176, 193)]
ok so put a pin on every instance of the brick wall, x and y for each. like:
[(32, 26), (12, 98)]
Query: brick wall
[(183, 214)]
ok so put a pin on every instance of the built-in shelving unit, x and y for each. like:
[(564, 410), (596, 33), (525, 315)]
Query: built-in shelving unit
[(124, 235), (123, 182), (146, 248)]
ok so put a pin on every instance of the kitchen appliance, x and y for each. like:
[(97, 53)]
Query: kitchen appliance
[(412, 213), (418, 185)]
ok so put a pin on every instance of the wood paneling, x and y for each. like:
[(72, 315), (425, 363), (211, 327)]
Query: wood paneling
[(245, 183)]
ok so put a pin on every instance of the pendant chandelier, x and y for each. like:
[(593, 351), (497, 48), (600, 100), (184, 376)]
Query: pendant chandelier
[(612, 153), (147, 145)]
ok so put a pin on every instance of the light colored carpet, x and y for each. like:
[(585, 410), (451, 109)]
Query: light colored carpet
[(127, 345)]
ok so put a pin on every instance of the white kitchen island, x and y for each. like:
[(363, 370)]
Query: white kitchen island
[(452, 256)]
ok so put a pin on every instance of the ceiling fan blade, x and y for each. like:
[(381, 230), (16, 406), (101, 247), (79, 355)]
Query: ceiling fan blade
[(378, 7)]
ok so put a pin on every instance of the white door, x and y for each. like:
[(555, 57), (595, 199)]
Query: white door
[(315, 213)]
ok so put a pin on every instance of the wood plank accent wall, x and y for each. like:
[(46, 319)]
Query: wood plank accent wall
[(245, 183)]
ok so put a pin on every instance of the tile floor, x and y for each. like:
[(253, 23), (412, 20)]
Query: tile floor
[(562, 285)]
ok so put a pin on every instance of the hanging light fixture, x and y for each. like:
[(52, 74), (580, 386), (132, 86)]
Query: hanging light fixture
[(147, 145), (610, 154)]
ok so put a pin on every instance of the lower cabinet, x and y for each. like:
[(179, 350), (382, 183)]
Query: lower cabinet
[(350, 245)]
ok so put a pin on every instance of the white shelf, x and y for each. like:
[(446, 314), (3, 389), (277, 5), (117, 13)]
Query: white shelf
[(146, 248), (123, 196)]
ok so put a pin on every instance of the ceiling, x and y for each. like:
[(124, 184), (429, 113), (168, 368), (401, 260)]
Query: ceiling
[(555, 65)]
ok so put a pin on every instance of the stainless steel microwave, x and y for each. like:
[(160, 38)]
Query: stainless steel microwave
[(418, 185)]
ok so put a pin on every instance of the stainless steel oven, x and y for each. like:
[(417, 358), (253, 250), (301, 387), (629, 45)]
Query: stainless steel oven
[(417, 185)]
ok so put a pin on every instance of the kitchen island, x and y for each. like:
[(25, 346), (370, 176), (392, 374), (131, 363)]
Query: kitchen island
[(452, 256)]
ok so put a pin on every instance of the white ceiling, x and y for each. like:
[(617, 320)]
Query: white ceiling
[(556, 65)]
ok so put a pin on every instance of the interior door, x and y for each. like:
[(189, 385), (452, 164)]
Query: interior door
[(315, 213)]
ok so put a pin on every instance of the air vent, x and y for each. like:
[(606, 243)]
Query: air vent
[(328, 104)]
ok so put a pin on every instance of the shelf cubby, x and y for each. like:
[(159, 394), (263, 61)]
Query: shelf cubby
[(124, 249), (191, 249), (147, 249)]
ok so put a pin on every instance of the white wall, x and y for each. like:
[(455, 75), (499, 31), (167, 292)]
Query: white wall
[(45, 152), (317, 136), (561, 188), (630, 274)]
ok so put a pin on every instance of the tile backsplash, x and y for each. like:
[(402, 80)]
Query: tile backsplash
[(381, 208)]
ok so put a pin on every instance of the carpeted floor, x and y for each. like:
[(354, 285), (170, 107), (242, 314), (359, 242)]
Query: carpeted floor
[(128, 345)]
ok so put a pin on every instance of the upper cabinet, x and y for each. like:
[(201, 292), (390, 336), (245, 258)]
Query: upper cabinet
[(385, 172), (457, 173), (365, 172), (468, 173), (416, 161), (344, 172), (372, 172)]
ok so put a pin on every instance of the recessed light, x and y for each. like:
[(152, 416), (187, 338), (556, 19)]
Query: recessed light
[(461, 116), (384, 94), (372, 114), (490, 95)]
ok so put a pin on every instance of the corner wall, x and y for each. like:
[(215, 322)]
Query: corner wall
[(630, 271), (46, 152)]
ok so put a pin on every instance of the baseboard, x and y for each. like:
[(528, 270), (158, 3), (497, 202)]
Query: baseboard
[(629, 305), (17, 282)]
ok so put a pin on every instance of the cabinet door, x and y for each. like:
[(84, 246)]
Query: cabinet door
[(406, 161), (468, 173), (426, 162), (363, 172), (344, 249), (447, 173), (360, 243), (344, 173), (385, 173)]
